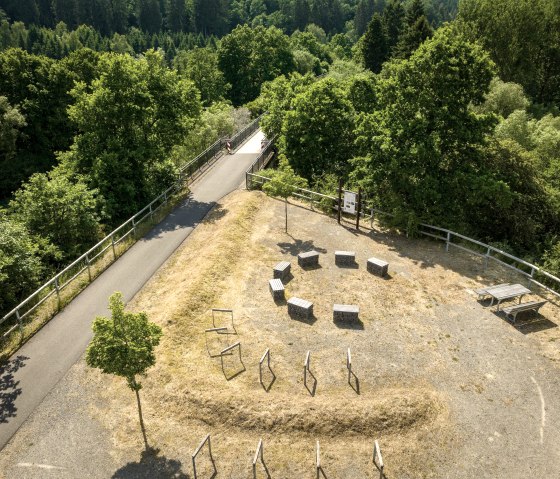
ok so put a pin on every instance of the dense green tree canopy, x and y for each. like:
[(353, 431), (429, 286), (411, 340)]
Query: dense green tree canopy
[(248, 57), (523, 38), (63, 212), (201, 66), (422, 144), (135, 113), (317, 132), (21, 268)]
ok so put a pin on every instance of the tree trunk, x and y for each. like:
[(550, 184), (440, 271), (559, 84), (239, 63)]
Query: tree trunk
[(286, 211), (141, 418)]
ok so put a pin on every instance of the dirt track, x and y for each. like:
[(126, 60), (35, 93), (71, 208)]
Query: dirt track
[(448, 387)]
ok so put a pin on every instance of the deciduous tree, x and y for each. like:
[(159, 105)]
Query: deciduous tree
[(283, 182), (123, 345)]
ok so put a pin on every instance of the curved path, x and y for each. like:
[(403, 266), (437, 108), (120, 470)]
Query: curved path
[(36, 368)]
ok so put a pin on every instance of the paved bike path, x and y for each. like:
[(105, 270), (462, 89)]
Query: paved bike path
[(36, 368)]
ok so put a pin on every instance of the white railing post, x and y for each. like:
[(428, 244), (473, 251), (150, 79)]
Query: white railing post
[(447, 241)]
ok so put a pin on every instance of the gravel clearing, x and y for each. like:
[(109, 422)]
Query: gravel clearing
[(449, 388)]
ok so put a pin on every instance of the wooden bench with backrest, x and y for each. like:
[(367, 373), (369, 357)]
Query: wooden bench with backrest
[(513, 311)]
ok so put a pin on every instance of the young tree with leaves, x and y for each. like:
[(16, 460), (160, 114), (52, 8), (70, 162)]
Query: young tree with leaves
[(123, 345), (283, 182)]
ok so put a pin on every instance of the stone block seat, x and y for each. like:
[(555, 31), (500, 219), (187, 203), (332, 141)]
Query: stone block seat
[(282, 270), (276, 289), (377, 267), (300, 308), (344, 258), (346, 312), (308, 259)]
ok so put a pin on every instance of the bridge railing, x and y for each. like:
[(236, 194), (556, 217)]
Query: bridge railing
[(93, 262)]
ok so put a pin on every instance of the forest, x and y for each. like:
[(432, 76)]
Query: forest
[(443, 112)]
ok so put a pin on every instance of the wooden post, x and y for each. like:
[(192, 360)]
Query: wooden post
[(18, 317), (88, 268), (113, 244), (359, 208), (339, 199), (57, 291)]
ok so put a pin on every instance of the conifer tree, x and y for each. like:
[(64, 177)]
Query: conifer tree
[(374, 48), (393, 17), (413, 37), (364, 12)]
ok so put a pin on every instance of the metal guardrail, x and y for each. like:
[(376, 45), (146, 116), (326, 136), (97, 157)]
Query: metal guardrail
[(452, 239), (128, 229)]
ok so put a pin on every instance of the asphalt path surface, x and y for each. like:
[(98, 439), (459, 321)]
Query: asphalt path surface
[(38, 366)]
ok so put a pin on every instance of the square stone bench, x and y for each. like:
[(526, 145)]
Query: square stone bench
[(377, 266), (310, 258), (300, 308), (346, 312), (282, 270), (344, 258), (276, 288)]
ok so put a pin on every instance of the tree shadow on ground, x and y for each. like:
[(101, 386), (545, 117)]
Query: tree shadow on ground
[(152, 465), (299, 246), (9, 390)]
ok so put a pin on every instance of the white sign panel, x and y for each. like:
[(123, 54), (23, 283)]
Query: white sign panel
[(349, 202)]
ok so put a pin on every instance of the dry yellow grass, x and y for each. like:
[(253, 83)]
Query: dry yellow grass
[(226, 264)]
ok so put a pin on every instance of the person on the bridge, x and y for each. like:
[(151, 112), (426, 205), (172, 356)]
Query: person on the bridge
[(228, 146)]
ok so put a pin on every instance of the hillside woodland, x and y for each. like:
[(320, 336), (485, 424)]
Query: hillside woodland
[(442, 111)]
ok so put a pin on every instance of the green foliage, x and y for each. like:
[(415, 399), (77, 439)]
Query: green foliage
[(39, 87), (416, 31), (504, 98), (201, 66), (551, 260), (393, 18), (21, 266), (276, 98), (317, 132), (523, 38), (421, 156), (512, 203), (217, 121), (518, 127), (283, 182), (135, 113), (123, 345), (249, 57), (11, 121), (362, 92), (61, 211), (374, 47)]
